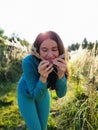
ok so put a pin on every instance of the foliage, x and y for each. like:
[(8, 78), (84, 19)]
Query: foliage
[(12, 72), (24, 42), (84, 45), (14, 38), (1, 32), (10, 118), (1, 41), (10, 63), (73, 47), (78, 110)]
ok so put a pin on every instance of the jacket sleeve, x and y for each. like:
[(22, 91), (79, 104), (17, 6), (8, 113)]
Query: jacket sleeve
[(61, 87), (36, 88)]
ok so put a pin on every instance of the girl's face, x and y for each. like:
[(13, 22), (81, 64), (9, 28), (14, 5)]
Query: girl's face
[(49, 50)]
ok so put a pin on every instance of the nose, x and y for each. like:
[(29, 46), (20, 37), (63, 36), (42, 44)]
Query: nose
[(49, 54)]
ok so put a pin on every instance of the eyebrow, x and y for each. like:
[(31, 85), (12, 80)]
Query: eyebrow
[(52, 47)]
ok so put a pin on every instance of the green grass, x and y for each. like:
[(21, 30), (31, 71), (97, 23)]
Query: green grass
[(10, 118), (78, 110)]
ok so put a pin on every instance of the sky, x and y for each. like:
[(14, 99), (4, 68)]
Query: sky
[(73, 20)]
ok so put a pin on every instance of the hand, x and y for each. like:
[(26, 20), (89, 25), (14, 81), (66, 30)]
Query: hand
[(61, 66), (45, 68)]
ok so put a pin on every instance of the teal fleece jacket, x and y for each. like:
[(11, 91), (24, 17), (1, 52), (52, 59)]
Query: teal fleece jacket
[(32, 86)]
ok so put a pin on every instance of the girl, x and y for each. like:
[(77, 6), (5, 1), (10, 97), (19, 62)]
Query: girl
[(44, 68)]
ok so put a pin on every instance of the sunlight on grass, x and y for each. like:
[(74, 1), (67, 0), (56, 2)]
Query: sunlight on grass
[(78, 110)]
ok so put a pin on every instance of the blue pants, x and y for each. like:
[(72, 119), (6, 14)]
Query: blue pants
[(35, 113)]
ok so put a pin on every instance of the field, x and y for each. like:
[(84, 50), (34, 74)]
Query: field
[(78, 110)]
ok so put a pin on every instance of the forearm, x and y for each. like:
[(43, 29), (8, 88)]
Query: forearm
[(35, 87), (61, 87), (40, 90)]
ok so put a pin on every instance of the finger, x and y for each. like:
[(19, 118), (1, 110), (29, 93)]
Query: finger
[(43, 68), (61, 67), (43, 65), (49, 67), (44, 62), (46, 73), (59, 59), (50, 70), (57, 63)]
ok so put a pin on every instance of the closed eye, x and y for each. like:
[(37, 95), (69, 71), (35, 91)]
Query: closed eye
[(44, 49), (55, 49)]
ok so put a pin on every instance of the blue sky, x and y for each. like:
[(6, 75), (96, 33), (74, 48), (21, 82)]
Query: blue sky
[(71, 19)]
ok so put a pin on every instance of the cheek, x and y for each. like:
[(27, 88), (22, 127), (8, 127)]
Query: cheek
[(57, 53), (43, 54)]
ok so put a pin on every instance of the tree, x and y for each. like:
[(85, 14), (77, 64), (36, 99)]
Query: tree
[(1, 32), (90, 46), (77, 45), (73, 47), (84, 43)]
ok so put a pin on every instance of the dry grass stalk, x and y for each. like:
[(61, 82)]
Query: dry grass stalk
[(35, 53)]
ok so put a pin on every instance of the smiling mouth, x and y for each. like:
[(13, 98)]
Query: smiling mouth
[(50, 61)]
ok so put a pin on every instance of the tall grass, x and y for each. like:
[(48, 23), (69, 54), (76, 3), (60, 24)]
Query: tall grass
[(80, 108)]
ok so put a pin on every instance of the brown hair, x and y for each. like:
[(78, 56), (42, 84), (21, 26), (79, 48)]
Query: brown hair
[(54, 36), (49, 35)]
